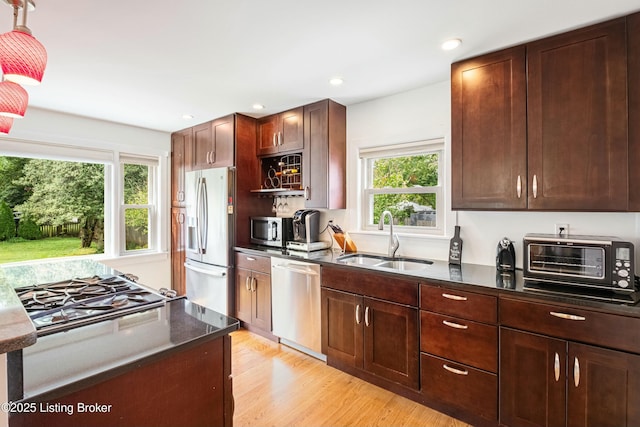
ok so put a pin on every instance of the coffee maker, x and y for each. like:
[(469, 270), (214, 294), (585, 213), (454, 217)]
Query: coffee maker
[(306, 224)]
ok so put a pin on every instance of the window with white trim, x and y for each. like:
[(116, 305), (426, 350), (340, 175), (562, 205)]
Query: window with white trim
[(407, 180), (139, 195)]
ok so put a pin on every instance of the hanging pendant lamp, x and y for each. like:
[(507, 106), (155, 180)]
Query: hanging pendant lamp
[(13, 100), (5, 125), (22, 57)]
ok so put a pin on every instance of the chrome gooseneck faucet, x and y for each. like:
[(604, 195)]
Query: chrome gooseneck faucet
[(394, 243)]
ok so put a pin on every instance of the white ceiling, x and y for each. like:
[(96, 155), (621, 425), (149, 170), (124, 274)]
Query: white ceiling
[(148, 62)]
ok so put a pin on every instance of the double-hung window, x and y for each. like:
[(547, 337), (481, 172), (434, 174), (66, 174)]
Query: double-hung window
[(139, 216), (407, 180)]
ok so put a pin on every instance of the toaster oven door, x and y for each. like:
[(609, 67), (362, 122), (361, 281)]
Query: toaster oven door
[(576, 263)]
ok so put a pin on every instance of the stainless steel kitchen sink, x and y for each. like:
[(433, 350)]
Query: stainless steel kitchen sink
[(385, 262)]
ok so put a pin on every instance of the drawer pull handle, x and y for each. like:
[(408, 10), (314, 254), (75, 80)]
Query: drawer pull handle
[(454, 297), (566, 316), (455, 371), (250, 258), (556, 367), (576, 372), (454, 325)]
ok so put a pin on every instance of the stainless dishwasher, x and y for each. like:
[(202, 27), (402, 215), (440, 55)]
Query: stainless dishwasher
[(295, 305)]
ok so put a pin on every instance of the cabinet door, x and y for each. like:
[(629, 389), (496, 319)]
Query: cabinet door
[(633, 51), (391, 342), (203, 146), (532, 379), (261, 311), (179, 142), (290, 128), (267, 135), (488, 132), (342, 322), (223, 132), (244, 295), (603, 387), (577, 120), (177, 250)]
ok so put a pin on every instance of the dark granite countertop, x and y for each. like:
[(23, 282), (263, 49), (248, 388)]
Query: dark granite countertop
[(465, 277), (63, 362)]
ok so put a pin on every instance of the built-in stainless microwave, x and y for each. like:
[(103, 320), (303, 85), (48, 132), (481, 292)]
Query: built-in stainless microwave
[(271, 231), (587, 262)]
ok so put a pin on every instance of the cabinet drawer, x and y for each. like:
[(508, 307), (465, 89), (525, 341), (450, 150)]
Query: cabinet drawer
[(467, 305), (464, 341), (457, 385), (254, 262), (602, 329)]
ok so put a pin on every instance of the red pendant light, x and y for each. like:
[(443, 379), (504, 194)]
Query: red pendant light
[(5, 125), (22, 57), (13, 100)]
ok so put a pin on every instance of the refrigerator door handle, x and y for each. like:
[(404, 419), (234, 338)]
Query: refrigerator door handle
[(198, 217), (205, 271), (205, 216)]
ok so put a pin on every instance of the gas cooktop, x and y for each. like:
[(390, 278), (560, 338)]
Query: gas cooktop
[(70, 303)]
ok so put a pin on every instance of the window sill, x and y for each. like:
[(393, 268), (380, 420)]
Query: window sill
[(133, 259)]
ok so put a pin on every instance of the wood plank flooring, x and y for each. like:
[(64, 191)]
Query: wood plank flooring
[(274, 385)]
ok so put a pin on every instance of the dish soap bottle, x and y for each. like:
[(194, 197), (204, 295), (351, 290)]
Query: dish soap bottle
[(455, 247)]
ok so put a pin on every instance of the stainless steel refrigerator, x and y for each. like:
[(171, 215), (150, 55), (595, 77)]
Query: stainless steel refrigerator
[(209, 234)]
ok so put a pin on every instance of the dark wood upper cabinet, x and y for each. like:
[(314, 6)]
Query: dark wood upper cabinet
[(324, 155), (281, 133), (488, 131), (633, 64), (577, 120), (180, 147), (213, 143), (544, 126)]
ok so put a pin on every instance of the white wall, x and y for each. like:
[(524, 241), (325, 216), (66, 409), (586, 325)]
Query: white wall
[(53, 128), (424, 113)]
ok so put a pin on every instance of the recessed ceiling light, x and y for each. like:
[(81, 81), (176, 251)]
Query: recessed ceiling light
[(336, 81), (258, 106), (451, 44), (187, 116)]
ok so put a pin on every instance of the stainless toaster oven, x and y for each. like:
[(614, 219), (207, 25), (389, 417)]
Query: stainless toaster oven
[(597, 263)]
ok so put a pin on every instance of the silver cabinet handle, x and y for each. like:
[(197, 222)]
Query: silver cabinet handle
[(279, 138), (250, 258), (576, 372), (535, 186), (454, 297), (519, 186), (455, 371), (454, 325), (274, 140), (567, 316), (366, 316), (358, 320), (246, 283), (254, 284), (556, 367), (307, 192)]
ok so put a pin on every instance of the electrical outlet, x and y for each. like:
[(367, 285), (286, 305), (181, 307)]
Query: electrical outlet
[(562, 229)]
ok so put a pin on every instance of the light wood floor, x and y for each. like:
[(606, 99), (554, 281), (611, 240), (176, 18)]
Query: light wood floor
[(274, 385)]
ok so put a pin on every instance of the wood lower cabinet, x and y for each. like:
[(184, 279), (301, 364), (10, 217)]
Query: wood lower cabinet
[(549, 378), (253, 290), (178, 254), (551, 382), (377, 336), (459, 345), (368, 327)]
